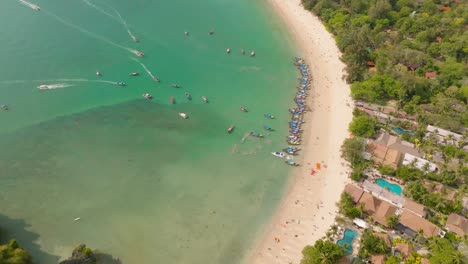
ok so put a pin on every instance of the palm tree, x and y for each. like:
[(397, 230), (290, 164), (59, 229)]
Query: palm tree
[(458, 258)]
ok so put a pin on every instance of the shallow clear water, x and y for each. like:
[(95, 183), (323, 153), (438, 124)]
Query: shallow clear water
[(148, 186), (394, 188)]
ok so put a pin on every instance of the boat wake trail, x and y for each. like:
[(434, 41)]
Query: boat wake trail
[(88, 3), (102, 81), (117, 18), (28, 4), (147, 70), (53, 86), (91, 34)]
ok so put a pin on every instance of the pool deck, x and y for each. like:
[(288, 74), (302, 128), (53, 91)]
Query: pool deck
[(383, 194)]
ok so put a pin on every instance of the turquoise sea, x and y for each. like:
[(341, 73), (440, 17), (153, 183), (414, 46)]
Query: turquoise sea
[(148, 186)]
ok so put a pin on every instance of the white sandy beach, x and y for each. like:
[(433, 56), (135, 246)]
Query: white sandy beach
[(309, 206)]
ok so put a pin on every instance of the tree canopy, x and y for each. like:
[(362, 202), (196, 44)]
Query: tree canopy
[(409, 51), (322, 252), (12, 253)]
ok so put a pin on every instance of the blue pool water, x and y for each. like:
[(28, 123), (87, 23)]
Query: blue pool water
[(400, 131), (394, 188), (347, 240)]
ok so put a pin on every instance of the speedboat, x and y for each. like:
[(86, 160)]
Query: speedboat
[(135, 39), (204, 99), (138, 53), (279, 154), (230, 129), (186, 33), (134, 74), (172, 100), (292, 162), (188, 96), (156, 79), (269, 116), (175, 85), (35, 7), (121, 84), (43, 87), (268, 128), (243, 109), (147, 96), (98, 74), (252, 53), (228, 50), (183, 115), (4, 107)]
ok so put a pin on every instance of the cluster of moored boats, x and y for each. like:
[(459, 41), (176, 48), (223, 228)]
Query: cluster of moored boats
[(295, 131), (297, 113)]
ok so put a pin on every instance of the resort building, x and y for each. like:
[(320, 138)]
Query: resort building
[(404, 249), (444, 137), (354, 191), (419, 163), (377, 259), (415, 223), (389, 150), (384, 211), (415, 208), (457, 224)]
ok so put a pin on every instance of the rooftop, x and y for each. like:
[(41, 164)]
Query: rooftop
[(416, 223), (404, 249), (415, 207), (457, 224), (354, 191)]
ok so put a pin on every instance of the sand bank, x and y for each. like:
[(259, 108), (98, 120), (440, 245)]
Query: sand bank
[(308, 208)]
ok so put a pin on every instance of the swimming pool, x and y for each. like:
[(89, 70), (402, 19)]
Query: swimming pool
[(401, 131), (394, 188), (347, 240)]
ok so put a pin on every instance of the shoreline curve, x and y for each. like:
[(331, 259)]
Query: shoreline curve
[(308, 207)]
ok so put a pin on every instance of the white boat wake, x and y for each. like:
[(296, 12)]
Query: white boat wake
[(84, 31), (147, 70), (31, 5), (53, 86)]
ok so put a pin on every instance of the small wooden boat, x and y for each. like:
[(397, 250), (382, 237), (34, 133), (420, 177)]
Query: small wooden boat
[(230, 129), (211, 32), (269, 128), (98, 74), (269, 116), (204, 99), (228, 50), (172, 100), (175, 85), (188, 96), (243, 109), (134, 74), (147, 96), (186, 33), (252, 54), (183, 115), (77, 219), (4, 107)]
